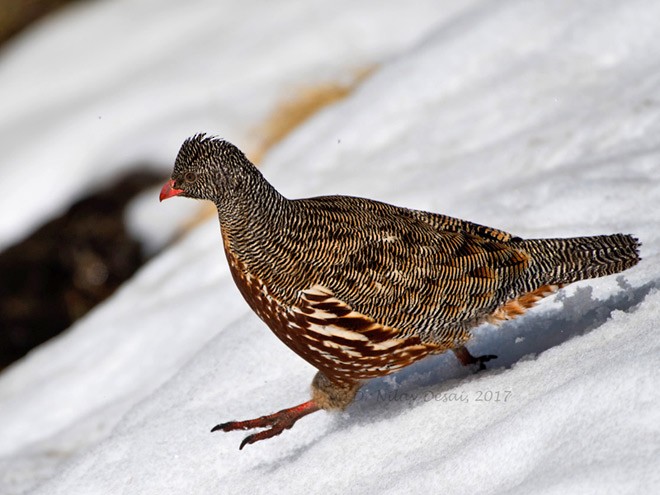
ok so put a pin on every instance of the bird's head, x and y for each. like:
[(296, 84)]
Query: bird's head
[(207, 168)]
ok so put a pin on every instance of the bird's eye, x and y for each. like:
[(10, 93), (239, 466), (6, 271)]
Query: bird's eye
[(190, 177)]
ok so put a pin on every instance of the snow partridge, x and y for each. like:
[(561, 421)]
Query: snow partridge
[(360, 288)]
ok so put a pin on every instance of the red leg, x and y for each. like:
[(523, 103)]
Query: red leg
[(276, 423)]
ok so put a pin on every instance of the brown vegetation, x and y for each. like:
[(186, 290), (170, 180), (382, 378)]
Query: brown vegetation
[(18, 14)]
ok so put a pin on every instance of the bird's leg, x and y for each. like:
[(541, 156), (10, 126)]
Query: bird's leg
[(276, 422), (325, 395), (468, 359)]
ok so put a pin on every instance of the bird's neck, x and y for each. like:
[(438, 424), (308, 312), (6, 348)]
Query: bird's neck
[(252, 214)]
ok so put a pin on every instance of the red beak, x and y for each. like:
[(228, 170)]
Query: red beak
[(169, 190)]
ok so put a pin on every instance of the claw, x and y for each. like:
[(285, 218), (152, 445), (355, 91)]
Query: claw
[(275, 423), (228, 426), (484, 359)]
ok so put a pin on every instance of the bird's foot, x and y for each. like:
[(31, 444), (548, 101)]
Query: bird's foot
[(468, 359), (276, 422)]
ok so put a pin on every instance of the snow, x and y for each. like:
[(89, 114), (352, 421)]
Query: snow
[(541, 118), (107, 84)]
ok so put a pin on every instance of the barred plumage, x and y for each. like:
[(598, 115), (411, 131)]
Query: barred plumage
[(361, 288)]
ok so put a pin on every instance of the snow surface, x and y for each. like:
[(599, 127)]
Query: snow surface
[(107, 84), (541, 118)]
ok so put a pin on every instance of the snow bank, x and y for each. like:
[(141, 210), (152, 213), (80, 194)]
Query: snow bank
[(539, 118)]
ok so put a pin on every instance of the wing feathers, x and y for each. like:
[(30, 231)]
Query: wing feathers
[(333, 329)]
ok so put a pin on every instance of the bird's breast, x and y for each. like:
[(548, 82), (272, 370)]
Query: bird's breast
[(344, 345)]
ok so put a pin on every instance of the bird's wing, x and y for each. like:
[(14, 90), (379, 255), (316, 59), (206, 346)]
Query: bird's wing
[(422, 274), (445, 280), (355, 344)]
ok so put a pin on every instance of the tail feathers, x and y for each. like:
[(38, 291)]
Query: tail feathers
[(562, 261)]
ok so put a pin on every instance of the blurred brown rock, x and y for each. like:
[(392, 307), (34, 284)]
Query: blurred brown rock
[(67, 266)]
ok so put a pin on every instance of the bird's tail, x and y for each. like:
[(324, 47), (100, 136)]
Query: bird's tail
[(562, 261)]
